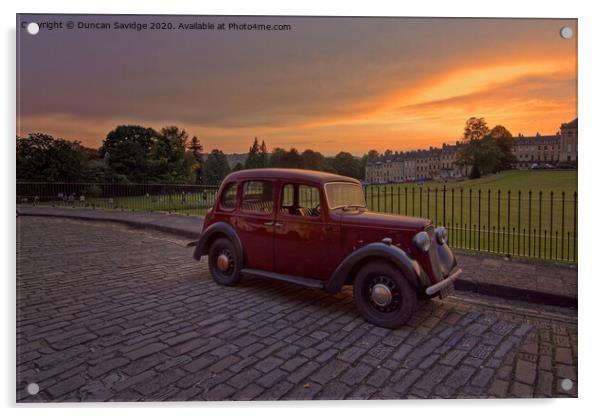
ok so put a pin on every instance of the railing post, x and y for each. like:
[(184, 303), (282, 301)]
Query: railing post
[(436, 206), (499, 210), (479, 223), (562, 229), (444, 191), (539, 227), (488, 219), (470, 217), (453, 231), (508, 224), (551, 219), (575, 227), (462, 216), (518, 225), (529, 252)]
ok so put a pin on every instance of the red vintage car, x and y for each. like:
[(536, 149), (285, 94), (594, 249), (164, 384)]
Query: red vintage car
[(313, 229)]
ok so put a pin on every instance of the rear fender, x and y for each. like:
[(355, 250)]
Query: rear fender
[(214, 231)]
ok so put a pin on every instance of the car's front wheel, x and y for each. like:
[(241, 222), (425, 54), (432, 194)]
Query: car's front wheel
[(224, 263), (383, 296)]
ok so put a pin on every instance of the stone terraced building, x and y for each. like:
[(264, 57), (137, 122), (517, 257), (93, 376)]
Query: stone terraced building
[(440, 163)]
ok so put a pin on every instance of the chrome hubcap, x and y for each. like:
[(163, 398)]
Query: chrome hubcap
[(223, 262), (381, 295)]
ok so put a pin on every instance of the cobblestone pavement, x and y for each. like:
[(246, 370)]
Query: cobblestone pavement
[(106, 312)]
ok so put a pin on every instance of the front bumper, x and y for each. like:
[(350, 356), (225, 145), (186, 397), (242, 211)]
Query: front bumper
[(449, 280)]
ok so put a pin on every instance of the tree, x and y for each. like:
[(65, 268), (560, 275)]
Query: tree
[(475, 129), (482, 156), (276, 159), (257, 156), (313, 160), (505, 142), (346, 164), (196, 149), (126, 151), (41, 157), (237, 167), (168, 161), (216, 168), (292, 159), (281, 158), (485, 151), (264, 155)]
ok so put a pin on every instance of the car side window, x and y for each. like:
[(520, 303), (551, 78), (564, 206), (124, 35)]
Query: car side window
[(300, 200), (258, 197), (288, 195), (228, 199)]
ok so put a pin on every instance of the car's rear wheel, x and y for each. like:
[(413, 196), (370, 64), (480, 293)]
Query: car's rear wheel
[(224, 263), (383, 296)]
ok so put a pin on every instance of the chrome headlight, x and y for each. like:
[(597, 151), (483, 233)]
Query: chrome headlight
[(422, 241), (441, 234)]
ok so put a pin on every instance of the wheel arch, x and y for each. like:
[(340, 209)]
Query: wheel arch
[(212, 233), (348, 269)]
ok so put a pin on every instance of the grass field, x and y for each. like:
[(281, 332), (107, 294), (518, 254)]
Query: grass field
[(495, 214)]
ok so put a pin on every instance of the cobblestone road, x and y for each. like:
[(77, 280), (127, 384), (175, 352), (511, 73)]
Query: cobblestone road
[(105, 312)]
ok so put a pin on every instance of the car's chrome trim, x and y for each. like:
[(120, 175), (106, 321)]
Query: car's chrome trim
[(431, 290)]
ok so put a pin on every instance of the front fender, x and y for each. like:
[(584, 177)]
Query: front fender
[(212, 232), (409, 268)]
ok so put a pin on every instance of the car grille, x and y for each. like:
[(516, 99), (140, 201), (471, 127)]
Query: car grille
[(434, 259)]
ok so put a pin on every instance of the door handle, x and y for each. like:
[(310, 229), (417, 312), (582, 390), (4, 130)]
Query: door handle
[(269, 223), (278, 224)]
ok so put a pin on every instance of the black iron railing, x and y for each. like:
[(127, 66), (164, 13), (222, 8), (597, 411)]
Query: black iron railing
[(521, 223), (179, 198)]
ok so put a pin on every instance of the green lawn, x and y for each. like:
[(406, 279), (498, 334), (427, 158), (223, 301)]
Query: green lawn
[(496, 213), (514, 180)]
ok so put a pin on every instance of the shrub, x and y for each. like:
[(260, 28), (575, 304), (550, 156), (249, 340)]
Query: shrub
[(93, 191)]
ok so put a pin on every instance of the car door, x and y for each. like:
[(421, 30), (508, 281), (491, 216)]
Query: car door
[(300, 236), (255, 223)]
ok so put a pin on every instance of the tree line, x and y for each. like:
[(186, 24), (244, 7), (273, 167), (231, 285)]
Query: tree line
[(136, 154)]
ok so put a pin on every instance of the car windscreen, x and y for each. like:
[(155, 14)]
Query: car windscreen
[(344, 194)]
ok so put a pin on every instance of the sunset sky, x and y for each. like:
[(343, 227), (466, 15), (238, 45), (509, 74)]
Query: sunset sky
[(330, 84)]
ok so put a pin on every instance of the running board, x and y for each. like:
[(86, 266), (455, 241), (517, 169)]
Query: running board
[(301, 281)]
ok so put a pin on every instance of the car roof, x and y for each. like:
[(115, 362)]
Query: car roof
[(291, 174)]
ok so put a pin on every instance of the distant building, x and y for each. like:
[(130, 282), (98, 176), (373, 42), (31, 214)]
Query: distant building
[(535, 150), (440, 163), (432, 163), (568, 141)]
